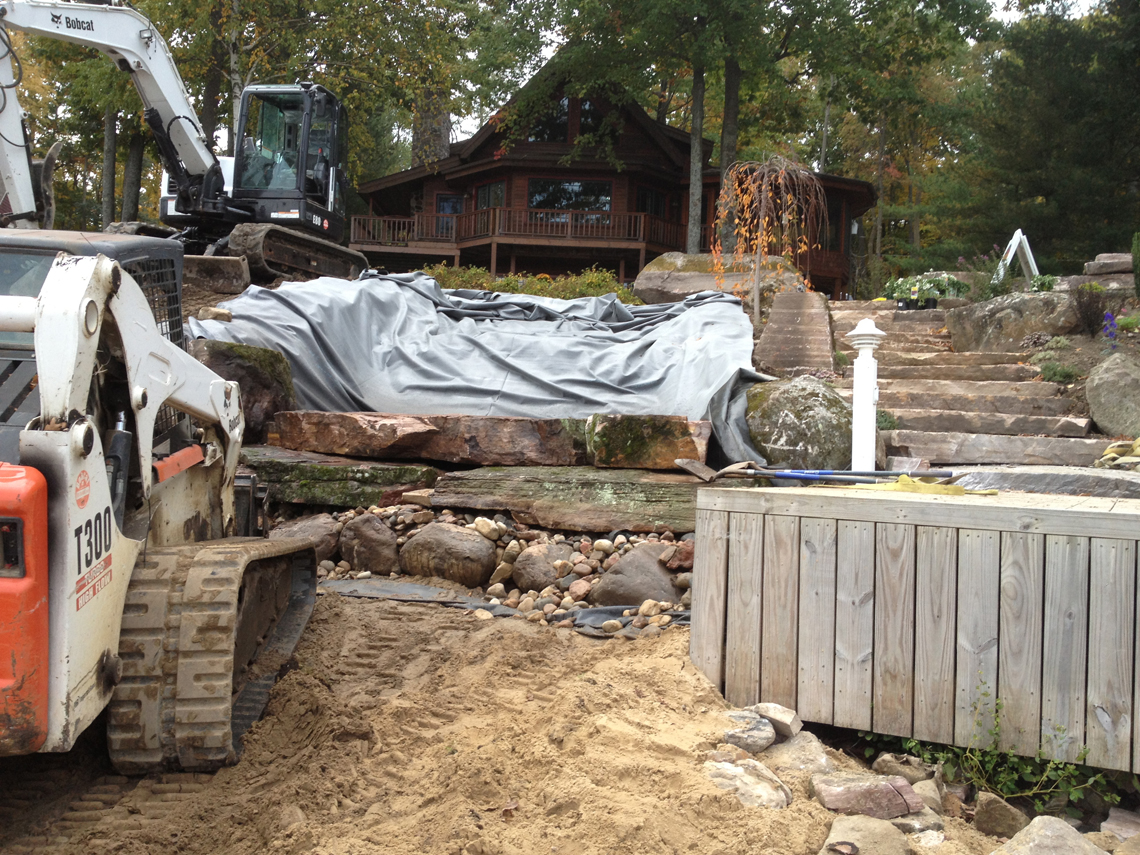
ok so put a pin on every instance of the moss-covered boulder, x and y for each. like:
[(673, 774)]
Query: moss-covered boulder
[(645, 442), (800, 423), (674, 276), (264, 376)]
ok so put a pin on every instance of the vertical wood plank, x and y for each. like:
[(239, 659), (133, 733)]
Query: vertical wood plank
[(817, 620), (979, 578), (780, 609), (1020, 640), (854, 623), (1065, 648), (742, 637), (710, 587), (894, 629), (1112, 608), (936, 591)]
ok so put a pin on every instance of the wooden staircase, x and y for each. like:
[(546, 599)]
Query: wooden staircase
[(962, 408)]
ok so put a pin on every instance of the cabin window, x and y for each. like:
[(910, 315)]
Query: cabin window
[(552, 194), (447, 206), (651, 201), (491, 196), (589, 118), (555, 126)]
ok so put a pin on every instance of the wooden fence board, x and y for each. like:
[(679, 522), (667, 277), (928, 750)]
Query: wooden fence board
[(854, 623), (1112, 608), (1021, 625), (742, 645), (1065, 646), (780, 610), (894, 629), (976, 670), (936, 592), (710, 586), (817, 619)]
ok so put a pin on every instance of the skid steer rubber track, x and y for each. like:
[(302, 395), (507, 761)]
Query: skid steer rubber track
[(275, 251), (207, 628)]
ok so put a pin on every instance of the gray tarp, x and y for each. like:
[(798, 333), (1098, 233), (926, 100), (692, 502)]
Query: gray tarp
[(402, 344)]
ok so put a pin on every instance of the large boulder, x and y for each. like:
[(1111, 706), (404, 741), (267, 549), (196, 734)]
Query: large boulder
[(867, 834), (672, 277), (999, 325), (320, 528), (264, 376), (1048, 835), (800, 423), (534, 568), (368, 544), (1113, 390), (997, 817), (636, 577), (450, 551)]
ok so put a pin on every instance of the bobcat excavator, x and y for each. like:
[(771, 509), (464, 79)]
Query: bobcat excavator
[(279, 202), (123, 584)]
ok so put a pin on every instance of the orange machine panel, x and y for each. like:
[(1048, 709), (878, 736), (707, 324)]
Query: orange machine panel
[(23, 609)]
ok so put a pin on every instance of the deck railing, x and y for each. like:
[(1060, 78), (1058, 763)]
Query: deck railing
[(582, 226)]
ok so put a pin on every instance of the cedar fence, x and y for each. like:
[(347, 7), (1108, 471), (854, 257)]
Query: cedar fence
[(944, 618)]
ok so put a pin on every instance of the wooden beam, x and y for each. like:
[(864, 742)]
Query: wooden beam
[(494, 256)]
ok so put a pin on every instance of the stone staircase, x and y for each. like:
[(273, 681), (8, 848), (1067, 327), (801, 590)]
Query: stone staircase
[(962, 408), (797, 338)]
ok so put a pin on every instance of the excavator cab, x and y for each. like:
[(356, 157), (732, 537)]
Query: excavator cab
[(291, 160)]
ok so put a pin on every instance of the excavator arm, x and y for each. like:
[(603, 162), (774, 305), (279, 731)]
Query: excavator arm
[(134, 44)]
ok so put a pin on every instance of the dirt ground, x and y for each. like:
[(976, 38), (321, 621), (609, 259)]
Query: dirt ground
[(412, 728)]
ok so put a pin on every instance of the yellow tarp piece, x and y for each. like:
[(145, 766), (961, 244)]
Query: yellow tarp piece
[(906, 484)]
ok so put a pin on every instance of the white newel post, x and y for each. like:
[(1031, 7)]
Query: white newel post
[(865, 338)]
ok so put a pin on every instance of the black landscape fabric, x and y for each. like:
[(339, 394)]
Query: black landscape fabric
[(402, 344)]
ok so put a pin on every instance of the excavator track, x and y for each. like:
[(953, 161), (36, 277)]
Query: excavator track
[(206, 631), (275, 251)]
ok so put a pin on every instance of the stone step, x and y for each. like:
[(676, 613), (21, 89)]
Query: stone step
[(957, 372), (951, 449), (1007, 424), (917, 316), (935, 360), (1009, 404), (896, 339), (797, 334), (1037, 389), (934, 345)]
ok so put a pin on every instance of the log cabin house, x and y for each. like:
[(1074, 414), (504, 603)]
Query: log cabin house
[(526, 208)]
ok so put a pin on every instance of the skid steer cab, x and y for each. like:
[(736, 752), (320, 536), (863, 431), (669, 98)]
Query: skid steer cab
[(121, 584)]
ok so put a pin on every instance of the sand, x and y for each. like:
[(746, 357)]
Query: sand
[(420, 729)]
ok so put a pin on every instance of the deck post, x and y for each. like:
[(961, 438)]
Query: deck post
[(641, 259), (621, 270), (494, 256), (513, 258)]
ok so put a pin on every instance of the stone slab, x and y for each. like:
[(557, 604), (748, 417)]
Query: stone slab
[(1109, 262), (1065, 480), (798, 333), (1013, 404), (578, 498), (940, 359), (982, 373), (969, 448), (460, 439), (1026, 389), (323, 479), (880, 796), (989, 423)]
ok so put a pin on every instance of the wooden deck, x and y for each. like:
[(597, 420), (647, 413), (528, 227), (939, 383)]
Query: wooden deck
[(925, 616)]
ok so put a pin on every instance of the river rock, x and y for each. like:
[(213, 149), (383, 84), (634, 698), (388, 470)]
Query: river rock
[(264, 375), (452, 552), (786, 722), (870, 795), (534, 568), (904, 765), (682, 557), (801, 753), (1048, 835), (753, 738), (1113, 391), (636, 577), (645, 442), (368, 544), (929, 793), (999, 325), (996, 817), (800, 423), (751, 782), (917, 822), (1125, 824), (871, 837), (321, 528)]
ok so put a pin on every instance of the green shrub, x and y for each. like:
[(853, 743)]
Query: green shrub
[(1039, 358), (1055, 372), (925, 286), (885, 420), (1044, 282), (1089, 302), (588, 283), (1129, 324), (842, 360), (1058, 342)]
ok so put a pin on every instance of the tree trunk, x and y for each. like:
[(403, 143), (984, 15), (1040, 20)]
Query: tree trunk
[(696, 162), (110, 141), (826, 126), (132, 177), (879, 186), (431, 127), (215, 79), (731, 124), (916, 221), (237, 82)]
